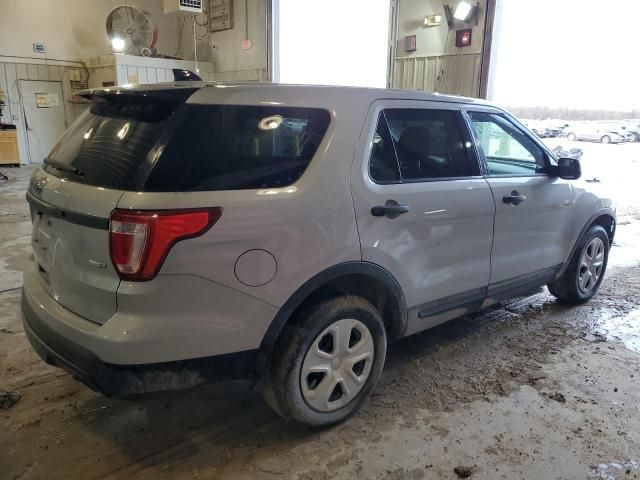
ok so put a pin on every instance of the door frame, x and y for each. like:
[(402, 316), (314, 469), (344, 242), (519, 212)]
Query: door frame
[(23, 120)]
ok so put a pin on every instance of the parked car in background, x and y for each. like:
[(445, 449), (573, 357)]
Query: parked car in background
[(188, 233), (542, 129), (593, 132), (628, 130)]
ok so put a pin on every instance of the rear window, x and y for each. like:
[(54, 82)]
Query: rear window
[(171, 147)]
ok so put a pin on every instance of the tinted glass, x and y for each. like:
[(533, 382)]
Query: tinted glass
[(383, 165), (230, 147), (107, 145), (178, 147), (507, 150), (428, 144)]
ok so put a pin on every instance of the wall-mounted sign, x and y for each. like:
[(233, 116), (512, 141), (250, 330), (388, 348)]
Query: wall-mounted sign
[(42, 100), (220, 15), (47, 100), (410, 43), (39, 47), (463, 38)]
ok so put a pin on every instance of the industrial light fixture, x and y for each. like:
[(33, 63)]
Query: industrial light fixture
[(117, 44), (432, 20), (270, 123), (465, 12)]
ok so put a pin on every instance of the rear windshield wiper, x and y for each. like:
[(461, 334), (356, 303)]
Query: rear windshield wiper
[(64, 168)]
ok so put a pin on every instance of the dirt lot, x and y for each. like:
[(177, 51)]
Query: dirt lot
[(529, 389)]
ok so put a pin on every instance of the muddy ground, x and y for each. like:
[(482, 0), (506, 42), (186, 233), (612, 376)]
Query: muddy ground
[(529, 389)]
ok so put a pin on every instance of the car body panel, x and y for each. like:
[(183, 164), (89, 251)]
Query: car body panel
[(442, 245), (72, 255), (174, 317)]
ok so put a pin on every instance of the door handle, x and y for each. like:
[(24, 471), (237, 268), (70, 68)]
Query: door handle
[(390, 209), (514, 198)]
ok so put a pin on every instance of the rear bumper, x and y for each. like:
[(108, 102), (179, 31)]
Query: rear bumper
[(201, 332), (123, 380)]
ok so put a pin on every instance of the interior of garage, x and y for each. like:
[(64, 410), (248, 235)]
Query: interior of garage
[(527, 388)]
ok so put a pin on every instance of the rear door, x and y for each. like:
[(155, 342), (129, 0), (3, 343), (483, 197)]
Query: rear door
[(423, 210), (533, 209)]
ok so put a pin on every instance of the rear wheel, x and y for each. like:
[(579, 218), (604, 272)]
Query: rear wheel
[(328, 361), (582, 278), (606, 139), (571, 136)]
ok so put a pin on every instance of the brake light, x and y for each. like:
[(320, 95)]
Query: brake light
[(140, 240)]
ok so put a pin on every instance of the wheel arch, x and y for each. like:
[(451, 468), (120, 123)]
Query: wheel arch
[(606, 219), (364, 279)]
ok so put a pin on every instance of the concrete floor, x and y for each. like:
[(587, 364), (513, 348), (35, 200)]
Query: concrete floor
[(529, 389)]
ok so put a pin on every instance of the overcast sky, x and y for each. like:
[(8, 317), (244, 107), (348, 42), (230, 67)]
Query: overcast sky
[(569, 53)]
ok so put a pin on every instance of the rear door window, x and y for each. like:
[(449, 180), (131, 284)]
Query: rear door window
[(419, 145)]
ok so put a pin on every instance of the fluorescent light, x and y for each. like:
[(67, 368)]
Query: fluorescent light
[(463, 11), (117, 44)]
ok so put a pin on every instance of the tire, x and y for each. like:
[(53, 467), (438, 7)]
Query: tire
[(300, 390), (605, 139), (571, 137), (572, 287)]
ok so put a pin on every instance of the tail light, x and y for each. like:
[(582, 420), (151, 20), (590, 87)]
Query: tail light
[(140, 241)]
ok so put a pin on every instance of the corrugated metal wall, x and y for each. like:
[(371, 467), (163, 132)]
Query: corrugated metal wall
[(454, 74), (10, 75), (155, 70)]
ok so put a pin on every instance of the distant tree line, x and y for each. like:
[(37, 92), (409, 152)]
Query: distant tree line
[(542, 113)]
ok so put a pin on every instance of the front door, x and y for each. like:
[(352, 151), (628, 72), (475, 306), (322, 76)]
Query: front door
[(423, 211), (45, 122), (533, 209)]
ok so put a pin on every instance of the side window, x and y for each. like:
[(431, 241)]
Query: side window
[(428, 144), (507, 150), (383, 164)]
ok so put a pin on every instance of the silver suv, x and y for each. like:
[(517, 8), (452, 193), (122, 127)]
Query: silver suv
[(191, 232)]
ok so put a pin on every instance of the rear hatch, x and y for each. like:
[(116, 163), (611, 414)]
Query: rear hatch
[(107, 151), (152, 140)]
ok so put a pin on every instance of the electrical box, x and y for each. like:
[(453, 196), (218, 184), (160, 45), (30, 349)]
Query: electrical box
[(463, 38), (184, 7)]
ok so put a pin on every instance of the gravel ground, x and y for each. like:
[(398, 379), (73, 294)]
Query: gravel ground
[(528, 389)]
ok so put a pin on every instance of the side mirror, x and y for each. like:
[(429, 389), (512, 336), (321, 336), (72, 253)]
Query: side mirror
[(567, 168)]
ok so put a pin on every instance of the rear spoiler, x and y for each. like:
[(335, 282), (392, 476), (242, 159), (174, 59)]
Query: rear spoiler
[(142, 94), (183, 75)]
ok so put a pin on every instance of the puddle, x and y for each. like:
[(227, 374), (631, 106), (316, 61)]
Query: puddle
[(625, 329), (624, 251), (615, 470)]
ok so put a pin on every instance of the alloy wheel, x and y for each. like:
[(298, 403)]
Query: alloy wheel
[(591, 263)]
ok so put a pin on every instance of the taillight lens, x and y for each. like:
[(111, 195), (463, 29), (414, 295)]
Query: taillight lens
[(140, 241)]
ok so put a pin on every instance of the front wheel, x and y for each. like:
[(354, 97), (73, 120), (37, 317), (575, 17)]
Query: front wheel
[(328, 361), (583, 276), (571, 137), (606, 139)]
